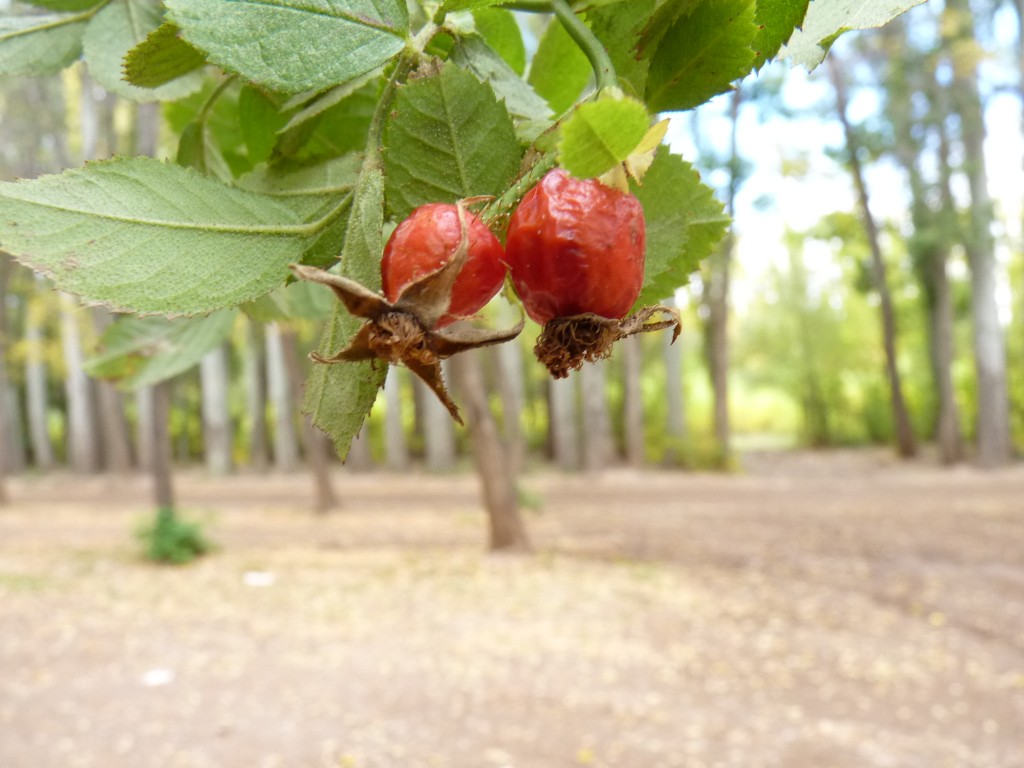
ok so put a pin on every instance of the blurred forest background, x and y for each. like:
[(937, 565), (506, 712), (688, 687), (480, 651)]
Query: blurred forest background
[(872, 291)]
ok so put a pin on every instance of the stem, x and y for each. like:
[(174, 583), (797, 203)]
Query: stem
[(581, 34), (204, 111), (588, 43), (501, 208)]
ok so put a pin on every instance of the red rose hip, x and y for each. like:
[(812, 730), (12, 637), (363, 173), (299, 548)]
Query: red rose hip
[(426, 240), (576, 246)]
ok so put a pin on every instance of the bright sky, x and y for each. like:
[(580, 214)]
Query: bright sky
[(769, 202)]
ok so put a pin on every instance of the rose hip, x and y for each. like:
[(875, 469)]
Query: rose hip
[(426, 240)]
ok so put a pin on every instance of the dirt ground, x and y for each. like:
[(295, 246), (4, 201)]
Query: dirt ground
[(813, 611)]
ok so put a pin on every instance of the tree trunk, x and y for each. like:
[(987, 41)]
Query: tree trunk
[(633, 407), (511, 387), (115, 439), (255, 372), (716, 297), (598, 447), (5, 267), (144, 417), (36, 384), (396, 451), (318, 448), (507, 532), (929, 247), (81, 417), (993, 417), (904, 432), (286, 447), (214, 377), (675, 417), (565, 448), (438, 429), (159, 441)]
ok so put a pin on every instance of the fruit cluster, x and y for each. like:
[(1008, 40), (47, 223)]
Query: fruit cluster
[(574, 251)]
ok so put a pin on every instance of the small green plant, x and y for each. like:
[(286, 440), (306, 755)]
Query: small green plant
[(169, 539)]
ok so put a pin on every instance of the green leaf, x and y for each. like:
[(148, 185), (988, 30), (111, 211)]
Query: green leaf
[(311, 191), (776, 20), (667, 14), (601, 134), (114, 31), (163, 56), (145, 236), (701, 54), (619, 28), (684, 224), (331, 125), (449, 138), (292, 46), (301, 300), (522, 102), (142, 351), (468, 5), (828, 19), (338, 397), (198, 150), (501, 31), (37, 46), (260, 119), (560, 70), (66, 5)]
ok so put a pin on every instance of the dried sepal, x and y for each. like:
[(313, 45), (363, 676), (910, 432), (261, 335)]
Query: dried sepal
[(565, 343), (405, 332)]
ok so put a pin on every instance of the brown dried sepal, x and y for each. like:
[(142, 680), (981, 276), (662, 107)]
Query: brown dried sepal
[(405, 332), (566, 343)]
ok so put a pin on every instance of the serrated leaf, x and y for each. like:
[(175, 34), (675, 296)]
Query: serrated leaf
[(826, 20), (684, 224), (701, 54), (501, 31), (65, 5), (331, 126), (292, 46), (449, 138), (145, 236), (474, 54), (142, 351), (113, 32), (468, 5), (310, 191), (42, 45), (666, 15), (301, 300), (260, 119), (560, 70), (197, 150), (338, 397), (163, 56), (619, 28), (776, 20), (601, 134)]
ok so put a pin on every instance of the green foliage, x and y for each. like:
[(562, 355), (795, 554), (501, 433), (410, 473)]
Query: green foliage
[(172, 541), (339, 397), (163, 56), (145, 236), (599, 135), (826, 21), (337, 119), (560, 70), (117, 29), (292, 46), (141, 351), (684, 224), (701, 54), (448, 138), (40, 45)]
